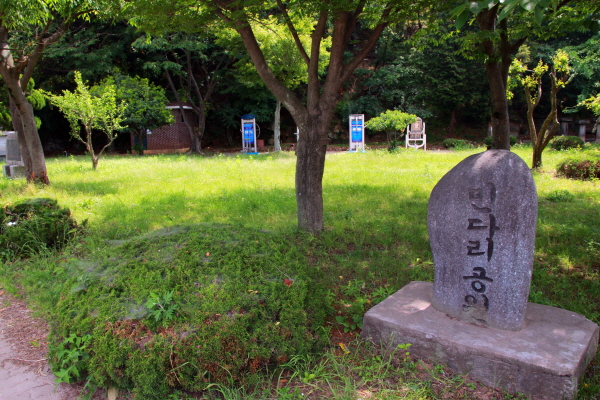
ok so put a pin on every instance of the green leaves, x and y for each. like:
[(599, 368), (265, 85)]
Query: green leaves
[(391, 120), (162, 308), (70, 358), (507, 8)]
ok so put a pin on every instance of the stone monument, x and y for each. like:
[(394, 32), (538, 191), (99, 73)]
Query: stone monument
[(475, 317), (481, 224)]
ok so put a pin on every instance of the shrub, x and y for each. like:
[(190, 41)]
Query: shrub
[(187, 307), (488, 141), (32, 225), (566, 143), (580, 168), (450, 143)]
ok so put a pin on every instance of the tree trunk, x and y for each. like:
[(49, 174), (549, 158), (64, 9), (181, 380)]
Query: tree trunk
[(35, 163), (277, 127), (310, 165), (452, 123), (500, 121), (18, 127), (195, 148), (140, 135)]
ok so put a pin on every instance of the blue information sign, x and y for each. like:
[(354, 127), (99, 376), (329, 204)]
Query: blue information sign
[(249, 132), (357, 131)]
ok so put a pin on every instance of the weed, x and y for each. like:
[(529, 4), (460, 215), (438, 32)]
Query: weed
[(70, 358), (560, 196), (162, 308)]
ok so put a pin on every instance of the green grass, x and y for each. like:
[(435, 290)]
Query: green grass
[(374, 243)]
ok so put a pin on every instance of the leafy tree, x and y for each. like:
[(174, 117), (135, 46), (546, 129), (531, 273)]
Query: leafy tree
[(354, 28), (191, 64), (505, 25), (531, 80), (145, 104), (390, 121), (94, 108), (279, 50), (27, 28)]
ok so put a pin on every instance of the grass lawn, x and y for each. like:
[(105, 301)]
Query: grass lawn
[(375, 242)]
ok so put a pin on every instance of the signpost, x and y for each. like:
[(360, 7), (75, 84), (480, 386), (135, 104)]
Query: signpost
[(249, 128), (357, 132)]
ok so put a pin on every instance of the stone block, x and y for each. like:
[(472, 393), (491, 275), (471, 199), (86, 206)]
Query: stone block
[(545, 359), (481, 221)]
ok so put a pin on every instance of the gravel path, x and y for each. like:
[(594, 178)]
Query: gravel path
[(24, 372)]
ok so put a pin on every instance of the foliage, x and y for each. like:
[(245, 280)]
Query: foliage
[(504, 26), (32, 225), (94, 108), (390, 121), (531, 81), (566, 143), (70, 358), (144, 103), (192, 65), (162, 308), (461, 144), (488, 140), (233, 302), (583, 168)]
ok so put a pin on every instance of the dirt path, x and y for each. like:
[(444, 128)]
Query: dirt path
[(24, 371)]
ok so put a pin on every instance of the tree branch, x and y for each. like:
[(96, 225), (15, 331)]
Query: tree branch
[(367, 47), (35, 56), (293, 31)]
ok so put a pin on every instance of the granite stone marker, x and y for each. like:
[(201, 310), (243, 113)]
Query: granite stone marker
[(475, 317), (481, 221)]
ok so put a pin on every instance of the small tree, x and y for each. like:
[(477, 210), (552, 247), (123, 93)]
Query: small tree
[(531, 80), (145, 105), (94, 108), (391, 121)]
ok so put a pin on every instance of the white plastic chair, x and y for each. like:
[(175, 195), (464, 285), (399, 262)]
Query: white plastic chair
[(415, 135)]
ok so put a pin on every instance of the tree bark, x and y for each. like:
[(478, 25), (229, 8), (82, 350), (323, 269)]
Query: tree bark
[(277, 127), (499, 57), (452, 123), (29, 140), (16, 75), (18, 127), (310, 166), (499, 120)]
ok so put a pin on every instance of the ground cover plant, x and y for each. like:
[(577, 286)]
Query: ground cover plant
[(374, 243), (33, 225)]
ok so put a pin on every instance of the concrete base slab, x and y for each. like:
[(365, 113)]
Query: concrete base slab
[(545, 359), (13, 171)]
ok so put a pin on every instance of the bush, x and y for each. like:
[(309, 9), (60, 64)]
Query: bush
[(488, 141), (585, 168), (186, 307), (32, 225), (456, 144), (566, 143)]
